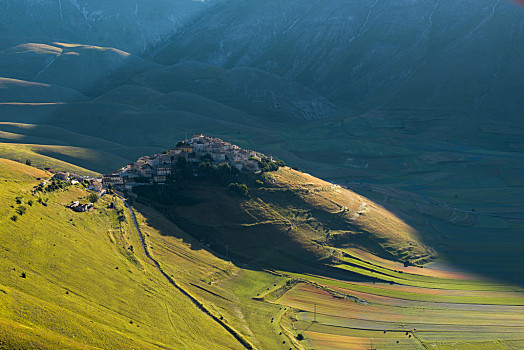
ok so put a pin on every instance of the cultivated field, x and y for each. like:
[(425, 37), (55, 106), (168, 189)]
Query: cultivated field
[(415, 311)]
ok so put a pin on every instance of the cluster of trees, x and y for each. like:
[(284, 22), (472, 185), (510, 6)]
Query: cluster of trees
[(265, 164), (184, 173), (55, 185), (222, 174), (21, 209)]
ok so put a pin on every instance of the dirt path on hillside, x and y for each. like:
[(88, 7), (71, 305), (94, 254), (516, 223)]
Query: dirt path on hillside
[(245, 344)]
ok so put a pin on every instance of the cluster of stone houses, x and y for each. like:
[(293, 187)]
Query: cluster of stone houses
[(199, 148), (76, 206), (93, 184)]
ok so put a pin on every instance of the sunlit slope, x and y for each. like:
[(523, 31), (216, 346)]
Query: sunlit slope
[(348, 219), (80, 281), (57, 157), (225, 288), (294, 219)]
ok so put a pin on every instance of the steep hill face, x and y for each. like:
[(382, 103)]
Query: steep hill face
[(252, 90), (293, 221)]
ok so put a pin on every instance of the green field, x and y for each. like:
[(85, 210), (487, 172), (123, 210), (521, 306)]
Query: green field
[(81, 280), (51, 256), (36, 154)]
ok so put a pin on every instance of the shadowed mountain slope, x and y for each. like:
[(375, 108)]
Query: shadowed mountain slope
[(430, 57), (12, 90), (252, 90), (295, 221), (140, 24)]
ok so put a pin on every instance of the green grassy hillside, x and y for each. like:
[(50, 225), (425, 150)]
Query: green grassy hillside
[(81, 281), (43, 156), (13, 90)]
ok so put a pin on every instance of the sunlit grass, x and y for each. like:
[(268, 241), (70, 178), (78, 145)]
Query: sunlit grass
[(80, 279)]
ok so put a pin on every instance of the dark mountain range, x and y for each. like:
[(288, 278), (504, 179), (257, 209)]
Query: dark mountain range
[(420, 96), (411, 55), (364, 55), (128, 25)]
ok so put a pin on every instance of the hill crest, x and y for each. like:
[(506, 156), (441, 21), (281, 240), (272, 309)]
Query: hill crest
[(253, 201)]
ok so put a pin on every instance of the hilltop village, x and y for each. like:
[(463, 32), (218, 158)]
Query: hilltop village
[(198, 149)]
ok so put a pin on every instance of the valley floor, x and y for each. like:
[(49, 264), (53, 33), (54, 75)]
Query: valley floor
[(82, 281), (412, 308)]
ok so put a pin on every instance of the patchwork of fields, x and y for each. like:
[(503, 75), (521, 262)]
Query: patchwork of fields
[(411, 309)]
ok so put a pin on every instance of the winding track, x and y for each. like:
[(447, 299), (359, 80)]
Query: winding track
[(245, 344)]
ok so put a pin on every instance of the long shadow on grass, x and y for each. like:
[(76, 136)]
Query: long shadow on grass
[(260, 248)]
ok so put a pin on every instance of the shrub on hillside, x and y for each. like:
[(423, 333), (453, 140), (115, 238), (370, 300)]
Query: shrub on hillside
[(92, 197), (56, 185), (21, 210), (237, 188), (14, 217)]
